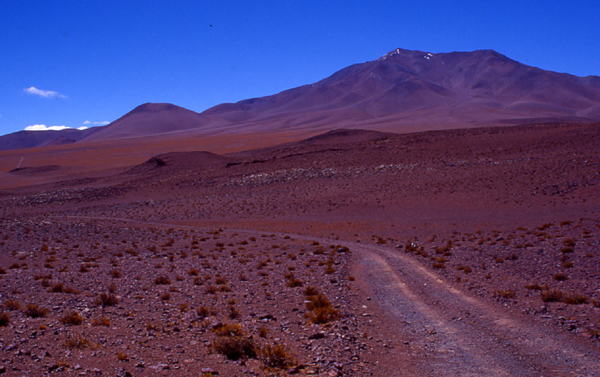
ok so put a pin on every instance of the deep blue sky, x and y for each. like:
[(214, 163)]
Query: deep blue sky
[(97, 60)]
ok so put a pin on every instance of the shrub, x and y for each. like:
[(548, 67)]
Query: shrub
[(102, 321), (559, 277), (107, 299), (323, 315), (233, 313), (551, 295), (221, 280), (12, 305), (293, 283), (537, 287), (263, 332), (311, 291), (77, 341), (4, 319), (235, 347), (320, 310), (72, 318), (165, 296), (232, 342), (35, 311), (203, 312), (227, 329), (576, 300), (505, 293), (116, 274), (276, 357), (211, 289), (162, 280), (465, 269)]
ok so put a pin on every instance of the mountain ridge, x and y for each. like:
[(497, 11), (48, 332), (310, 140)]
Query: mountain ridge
[(402, 91)]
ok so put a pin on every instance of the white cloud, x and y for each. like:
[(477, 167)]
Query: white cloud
[(96, 123), (43, 93), (82, 128), (42, 127)]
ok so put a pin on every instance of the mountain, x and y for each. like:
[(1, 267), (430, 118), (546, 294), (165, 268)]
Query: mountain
[(151, 119), (31, 139), (414, 90), (403, 91)]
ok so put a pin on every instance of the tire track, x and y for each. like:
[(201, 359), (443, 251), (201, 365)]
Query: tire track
[(455, 334)]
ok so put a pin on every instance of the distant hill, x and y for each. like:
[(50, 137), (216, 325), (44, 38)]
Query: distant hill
[(403, 91), (31, 139), (151, 119)]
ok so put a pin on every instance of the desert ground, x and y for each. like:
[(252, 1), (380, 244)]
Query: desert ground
[(468, 252)]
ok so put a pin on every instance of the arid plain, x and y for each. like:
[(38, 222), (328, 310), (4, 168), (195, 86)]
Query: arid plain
[(349, 253)]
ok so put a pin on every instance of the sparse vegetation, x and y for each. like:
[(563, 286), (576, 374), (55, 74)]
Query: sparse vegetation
[(107, 299), (162, 280), (72, 318), (232, 342), (320, 310), (551, 295), (102, 321), (78, 342), (35, 311), (576, 299), (505, 293), (4, 319), (276, 356)]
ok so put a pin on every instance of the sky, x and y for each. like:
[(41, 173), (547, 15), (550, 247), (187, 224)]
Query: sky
[(85, 63)]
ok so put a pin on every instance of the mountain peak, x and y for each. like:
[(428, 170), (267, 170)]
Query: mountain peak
[(404, 53), (151, 107)]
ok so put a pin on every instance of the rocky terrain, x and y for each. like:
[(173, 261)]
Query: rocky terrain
[(460, 252)]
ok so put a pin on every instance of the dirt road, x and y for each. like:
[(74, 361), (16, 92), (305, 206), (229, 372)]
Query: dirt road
[(447, 332)]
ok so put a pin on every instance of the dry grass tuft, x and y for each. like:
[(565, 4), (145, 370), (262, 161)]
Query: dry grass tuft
[(102, 321), (107, 299), (551, 295), (12, 305), (276, 356), (72, 318), (576, 299), (35, 311), (162, 280), (505, 293), (78, 342), (320, 310), (4, 319)]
